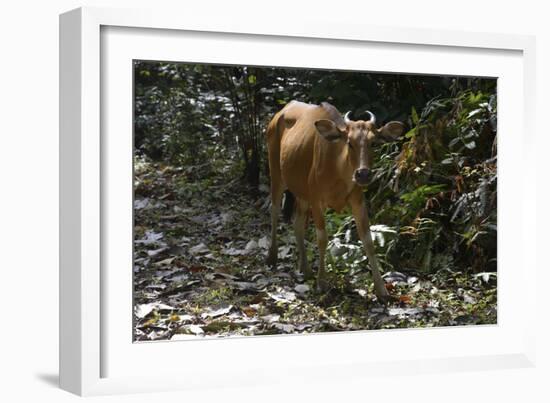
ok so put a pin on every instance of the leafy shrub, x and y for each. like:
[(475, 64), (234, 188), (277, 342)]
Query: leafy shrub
[(438, 188)]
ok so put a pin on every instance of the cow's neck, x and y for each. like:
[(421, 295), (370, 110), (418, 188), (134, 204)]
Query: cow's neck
[(334, 175)]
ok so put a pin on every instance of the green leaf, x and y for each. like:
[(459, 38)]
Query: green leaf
[(252, 79), (471, 145), (454, 141), (411, 133), (414, 116)]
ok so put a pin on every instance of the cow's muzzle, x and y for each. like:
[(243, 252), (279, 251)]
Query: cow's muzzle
[(361, 176)]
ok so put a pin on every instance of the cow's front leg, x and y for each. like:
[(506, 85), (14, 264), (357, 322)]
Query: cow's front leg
[(322, 241), (363, 228)]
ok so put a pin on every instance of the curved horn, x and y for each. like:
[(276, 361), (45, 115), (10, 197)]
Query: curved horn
[(372, 117), (346, 117)]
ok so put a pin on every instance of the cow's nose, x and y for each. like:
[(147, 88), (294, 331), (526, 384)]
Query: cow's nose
[(362, 175)]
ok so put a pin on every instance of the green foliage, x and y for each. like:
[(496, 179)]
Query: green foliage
[(416, 199), (437, 188)]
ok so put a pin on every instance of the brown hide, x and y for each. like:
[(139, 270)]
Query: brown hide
[(321, 158), (311, 167)]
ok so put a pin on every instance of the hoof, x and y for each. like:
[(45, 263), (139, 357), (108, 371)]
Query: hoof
[(385, 298), (308, 274), (322, 285), (271, 260)]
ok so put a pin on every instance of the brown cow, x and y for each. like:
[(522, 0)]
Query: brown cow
[(323, 159)]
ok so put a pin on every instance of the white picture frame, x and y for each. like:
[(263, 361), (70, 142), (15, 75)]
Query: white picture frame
[(91, 337)]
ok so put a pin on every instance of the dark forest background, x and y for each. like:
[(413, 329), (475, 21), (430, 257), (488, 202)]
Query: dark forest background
[(433, 191)]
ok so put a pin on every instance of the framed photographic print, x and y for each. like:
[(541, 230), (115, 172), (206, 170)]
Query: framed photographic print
[(236, 195)]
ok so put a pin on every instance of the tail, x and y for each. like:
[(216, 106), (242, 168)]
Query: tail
[(288, 206)]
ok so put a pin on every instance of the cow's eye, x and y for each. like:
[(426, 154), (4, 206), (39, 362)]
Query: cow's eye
[(349, 144)]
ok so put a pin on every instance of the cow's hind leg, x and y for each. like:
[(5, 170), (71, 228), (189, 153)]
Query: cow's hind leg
[(322, 241), (300, 220), (276, 197)]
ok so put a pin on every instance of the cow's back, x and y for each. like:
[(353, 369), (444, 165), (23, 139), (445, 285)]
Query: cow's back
[(306, 163), (298, 136)]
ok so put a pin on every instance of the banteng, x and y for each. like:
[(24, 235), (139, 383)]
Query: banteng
[(324, 160)]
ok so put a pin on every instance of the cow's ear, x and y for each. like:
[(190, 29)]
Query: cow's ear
[(329, 130), (390, 131)]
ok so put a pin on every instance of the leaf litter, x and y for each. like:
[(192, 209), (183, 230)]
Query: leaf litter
[(199, 271)]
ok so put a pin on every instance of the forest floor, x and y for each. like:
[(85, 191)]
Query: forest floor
[(200, 243)]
